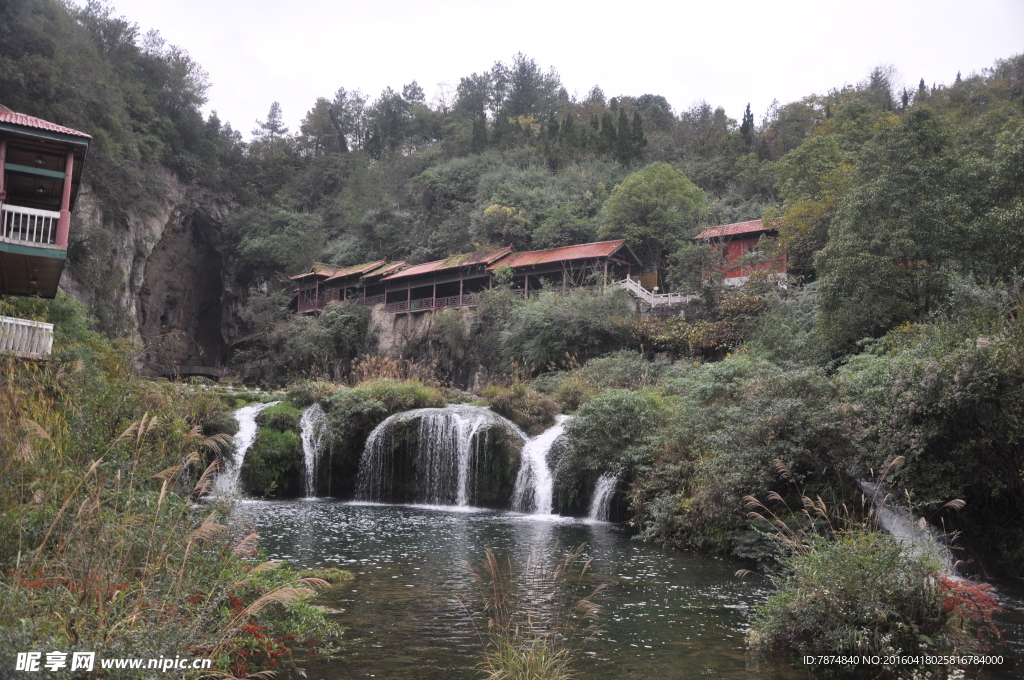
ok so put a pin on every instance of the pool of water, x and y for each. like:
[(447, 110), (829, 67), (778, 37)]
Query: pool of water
[(665, 614)]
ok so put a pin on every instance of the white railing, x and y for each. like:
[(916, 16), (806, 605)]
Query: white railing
[(23, 338), (652, 298), (28, 225)]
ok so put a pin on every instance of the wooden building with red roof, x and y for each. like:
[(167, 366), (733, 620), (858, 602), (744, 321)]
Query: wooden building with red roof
[(456, 281), (40, 173), (735, 243)]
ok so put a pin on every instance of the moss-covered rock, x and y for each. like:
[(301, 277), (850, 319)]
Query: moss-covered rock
[(496, 477), (273, 465), (221, 423), (281, 416), (352, 413), (419, 471)]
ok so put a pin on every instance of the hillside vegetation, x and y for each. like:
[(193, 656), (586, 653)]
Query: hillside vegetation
[(897, 348)]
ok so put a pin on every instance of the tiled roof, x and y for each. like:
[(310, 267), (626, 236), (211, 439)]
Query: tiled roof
[(385, 271), (14, 118), (318, 269), (358, 269), (751, 227), (578, 252), (482, 257)]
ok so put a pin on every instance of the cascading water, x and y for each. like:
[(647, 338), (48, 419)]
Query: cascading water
[(312, 426), (601, 501), (227, 481), (443, 455), (534, 483)]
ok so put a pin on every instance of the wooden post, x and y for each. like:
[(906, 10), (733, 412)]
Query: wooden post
[(433, 301), (64, 223), (606, 273), (564, 277), (460, 289), (3, 162)]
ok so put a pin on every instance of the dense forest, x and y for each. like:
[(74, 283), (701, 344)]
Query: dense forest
[(898, 347)]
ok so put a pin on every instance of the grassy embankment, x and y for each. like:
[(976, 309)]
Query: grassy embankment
[(103, 546)]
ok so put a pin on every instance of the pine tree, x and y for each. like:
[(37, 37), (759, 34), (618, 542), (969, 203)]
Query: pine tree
[(608, 137), (624, 139), (747, 126), (639, 138), (273, 128), (479, 142)]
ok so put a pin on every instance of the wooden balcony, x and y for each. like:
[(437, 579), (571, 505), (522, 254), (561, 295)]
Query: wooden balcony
[(29, 226), (31, 253), (27, 339), (424, 304)]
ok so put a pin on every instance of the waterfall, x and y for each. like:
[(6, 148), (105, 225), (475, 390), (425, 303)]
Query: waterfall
[(227, 480), (444, 456), (312, 427), (601, 501), (534, 483)]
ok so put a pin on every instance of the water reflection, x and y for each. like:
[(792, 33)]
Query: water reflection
[(666, 614)]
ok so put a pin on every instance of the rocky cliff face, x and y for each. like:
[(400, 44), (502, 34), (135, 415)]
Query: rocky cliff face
[(157, 274)]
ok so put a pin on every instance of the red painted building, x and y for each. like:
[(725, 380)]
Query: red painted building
[(40, 173), (735, 244)]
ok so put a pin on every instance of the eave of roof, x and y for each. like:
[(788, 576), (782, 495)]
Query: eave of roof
[(479, 258), (735, 229), (356, 270), (583, 251), (385, 271), (318, 269), (23, 120)]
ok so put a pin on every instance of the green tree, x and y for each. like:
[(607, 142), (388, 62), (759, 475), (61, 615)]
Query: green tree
[(273, 128), (654, 209), (747, 126), (897, 234)]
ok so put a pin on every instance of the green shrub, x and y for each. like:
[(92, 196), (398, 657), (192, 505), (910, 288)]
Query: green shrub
[(523, 405), (950, 400), (729, 423), (273, 465), (573, 390), (400, 395), (281, 417), (624, 369), (305, 392), (221, 423), (611, 433), (865, 593), (553, 327)]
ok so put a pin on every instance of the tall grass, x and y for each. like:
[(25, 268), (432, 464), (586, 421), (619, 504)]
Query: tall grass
[(104, 546), (537, 619)]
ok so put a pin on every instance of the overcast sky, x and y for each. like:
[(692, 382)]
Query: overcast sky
[(728, 53)]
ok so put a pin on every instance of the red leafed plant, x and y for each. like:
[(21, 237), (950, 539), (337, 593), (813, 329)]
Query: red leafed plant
[(973, 603)]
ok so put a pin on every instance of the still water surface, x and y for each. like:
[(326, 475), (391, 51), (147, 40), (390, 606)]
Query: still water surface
[(666, 614)]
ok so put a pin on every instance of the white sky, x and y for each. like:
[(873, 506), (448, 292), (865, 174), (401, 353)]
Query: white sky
[(727, 52)]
